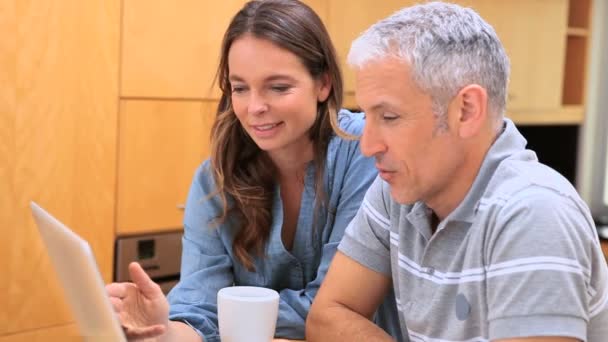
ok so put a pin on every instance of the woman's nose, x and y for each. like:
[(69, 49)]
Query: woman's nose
[(257, 104)]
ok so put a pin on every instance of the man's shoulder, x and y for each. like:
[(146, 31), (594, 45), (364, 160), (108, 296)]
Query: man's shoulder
[(515, 178), (530, 194)]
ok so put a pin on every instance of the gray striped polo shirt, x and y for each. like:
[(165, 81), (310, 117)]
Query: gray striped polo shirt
[(518, 257)]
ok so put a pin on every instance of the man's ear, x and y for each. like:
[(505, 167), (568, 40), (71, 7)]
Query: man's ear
[(471, 105), (324, 87)]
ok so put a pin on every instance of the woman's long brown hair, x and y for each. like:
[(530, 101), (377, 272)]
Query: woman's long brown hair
[(243, 172)]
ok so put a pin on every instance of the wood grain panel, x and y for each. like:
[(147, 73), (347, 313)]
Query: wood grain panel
[(171, 49), (61, 146), (321, 7), (61, 333), (575, 76), (8, 98), (347, 21), (536, 48), (160, 146)]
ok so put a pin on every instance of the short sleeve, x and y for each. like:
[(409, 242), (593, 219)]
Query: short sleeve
[(539, 261), (367, 237)]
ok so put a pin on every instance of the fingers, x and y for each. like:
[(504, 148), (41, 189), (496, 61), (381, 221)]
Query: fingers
[(145, 332), (118, 290), (116, 304), (147, 287)]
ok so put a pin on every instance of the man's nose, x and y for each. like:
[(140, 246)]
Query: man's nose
[(371, 144)]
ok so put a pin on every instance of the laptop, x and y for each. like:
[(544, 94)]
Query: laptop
[(80, 279)]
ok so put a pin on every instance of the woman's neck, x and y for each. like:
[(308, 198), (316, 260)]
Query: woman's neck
[(292, 162)]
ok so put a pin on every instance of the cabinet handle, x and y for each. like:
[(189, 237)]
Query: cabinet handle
[(181, 206)]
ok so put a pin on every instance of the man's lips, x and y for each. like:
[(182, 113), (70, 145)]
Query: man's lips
[(385, 174), (383, 169)]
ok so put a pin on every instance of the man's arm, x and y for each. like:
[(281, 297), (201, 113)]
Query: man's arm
[(539, 339), (345, 303), (179, 331)]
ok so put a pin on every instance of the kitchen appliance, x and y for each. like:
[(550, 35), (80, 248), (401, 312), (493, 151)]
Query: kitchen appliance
[(158, 254)]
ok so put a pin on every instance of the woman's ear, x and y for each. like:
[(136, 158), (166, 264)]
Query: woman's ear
[(473, 114), (323, 87)]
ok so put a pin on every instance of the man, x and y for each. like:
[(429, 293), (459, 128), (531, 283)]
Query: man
[(479, 240)]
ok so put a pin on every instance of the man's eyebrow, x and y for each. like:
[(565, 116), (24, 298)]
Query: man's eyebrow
[(379, 106)]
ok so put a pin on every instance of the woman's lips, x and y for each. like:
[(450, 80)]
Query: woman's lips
[(266, 130)]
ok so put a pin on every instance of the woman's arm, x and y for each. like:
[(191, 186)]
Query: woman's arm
[(206, 264)]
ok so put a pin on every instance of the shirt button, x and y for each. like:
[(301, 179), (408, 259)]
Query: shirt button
[(429, 270)]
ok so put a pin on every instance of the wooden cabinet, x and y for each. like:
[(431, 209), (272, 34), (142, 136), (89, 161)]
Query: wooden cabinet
[(546, 66), (161, 143), (346, 21), (171, 49), (578, 35), (58, 112), (321, 7), (61, 333), (535, 47), (540, 88)]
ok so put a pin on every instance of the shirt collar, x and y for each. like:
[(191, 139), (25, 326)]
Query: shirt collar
[(508, 143)]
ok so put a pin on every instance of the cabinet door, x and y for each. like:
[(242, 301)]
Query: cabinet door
[(171, 49), (347, 20), (320, 7), (536, 47), (64, 333), (58, 114), (161, 143)]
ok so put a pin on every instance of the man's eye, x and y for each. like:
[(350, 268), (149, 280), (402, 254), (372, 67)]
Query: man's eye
[(389, 117)]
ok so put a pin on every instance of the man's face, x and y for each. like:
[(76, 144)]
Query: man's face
[(416, 158)]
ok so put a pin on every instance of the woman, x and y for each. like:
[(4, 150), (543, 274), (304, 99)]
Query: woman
[(270, 206)]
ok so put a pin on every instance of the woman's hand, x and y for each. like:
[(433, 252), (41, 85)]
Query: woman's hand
[(141, 306)]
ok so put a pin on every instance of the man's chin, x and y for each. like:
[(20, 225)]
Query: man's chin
[(402, 198)]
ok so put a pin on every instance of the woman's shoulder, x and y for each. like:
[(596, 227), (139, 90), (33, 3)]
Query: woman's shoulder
[(351, 122), (204, 182), (204, 174), (343, 152), (203, 199)]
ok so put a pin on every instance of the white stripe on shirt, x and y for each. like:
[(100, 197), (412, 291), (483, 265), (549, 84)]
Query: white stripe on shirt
[(417, 337), (479, 274), (372, 213)]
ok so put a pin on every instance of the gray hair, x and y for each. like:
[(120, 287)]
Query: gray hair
[(447, 47)]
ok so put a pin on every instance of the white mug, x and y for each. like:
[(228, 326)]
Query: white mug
[(247, 313)]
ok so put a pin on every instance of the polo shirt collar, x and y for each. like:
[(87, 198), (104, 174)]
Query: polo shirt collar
[(508, 143)]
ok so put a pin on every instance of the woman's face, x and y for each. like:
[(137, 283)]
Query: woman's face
[(273, 95)]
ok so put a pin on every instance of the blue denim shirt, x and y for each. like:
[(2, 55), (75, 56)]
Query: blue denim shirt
[(208, 263)]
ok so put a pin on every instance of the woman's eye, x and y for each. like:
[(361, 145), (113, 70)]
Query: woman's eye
[(281, 88), (238, 89)]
